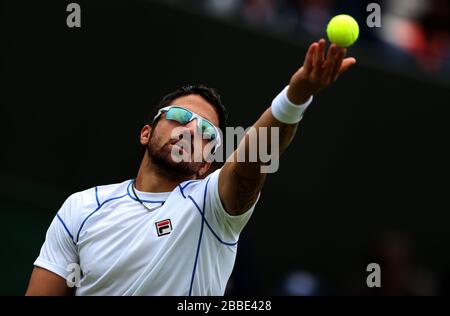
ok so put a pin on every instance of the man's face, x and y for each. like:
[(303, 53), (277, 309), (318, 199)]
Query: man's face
[(169, 139)]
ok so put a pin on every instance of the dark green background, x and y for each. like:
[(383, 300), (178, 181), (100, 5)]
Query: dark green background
[(370, 156)]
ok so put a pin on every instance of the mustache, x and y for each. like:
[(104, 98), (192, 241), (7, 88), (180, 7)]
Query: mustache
[(183, 142)]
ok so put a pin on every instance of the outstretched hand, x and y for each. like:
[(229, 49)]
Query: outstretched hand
[(317, 71)]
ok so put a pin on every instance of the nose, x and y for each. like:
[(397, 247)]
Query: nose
[(191, 126)]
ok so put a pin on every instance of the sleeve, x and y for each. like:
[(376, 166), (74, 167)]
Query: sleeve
[(59, 249), (230, 226)]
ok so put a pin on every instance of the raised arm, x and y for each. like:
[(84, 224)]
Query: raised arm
[(241, 182)]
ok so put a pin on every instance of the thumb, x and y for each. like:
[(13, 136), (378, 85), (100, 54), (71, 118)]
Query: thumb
[(346, 64)]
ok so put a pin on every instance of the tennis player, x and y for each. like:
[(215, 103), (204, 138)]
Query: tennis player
[(174, 229)]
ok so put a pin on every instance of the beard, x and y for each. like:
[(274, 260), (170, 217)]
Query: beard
[(161, 159)]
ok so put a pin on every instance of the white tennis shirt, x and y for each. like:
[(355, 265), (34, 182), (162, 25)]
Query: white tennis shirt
[(186, 247)]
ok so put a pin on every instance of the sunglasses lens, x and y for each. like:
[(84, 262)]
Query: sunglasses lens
[(180, 115), (208, 130)]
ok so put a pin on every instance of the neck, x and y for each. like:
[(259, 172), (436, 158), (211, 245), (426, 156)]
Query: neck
[(151, 179)]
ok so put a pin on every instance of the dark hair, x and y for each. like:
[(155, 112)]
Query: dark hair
[(209, 94)]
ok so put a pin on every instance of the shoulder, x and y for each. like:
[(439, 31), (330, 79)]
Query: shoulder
[(81, 204), (104, 193), (96, 196)]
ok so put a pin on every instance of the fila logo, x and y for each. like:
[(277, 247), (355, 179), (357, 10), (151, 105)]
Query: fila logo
[(163, 227)]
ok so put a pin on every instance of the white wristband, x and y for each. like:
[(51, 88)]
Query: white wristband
[(287, 112)]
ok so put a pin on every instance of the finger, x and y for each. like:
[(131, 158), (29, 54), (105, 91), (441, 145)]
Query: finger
[(309, 59), (338, 63), (319, 57), (346, 64), (329, 63)]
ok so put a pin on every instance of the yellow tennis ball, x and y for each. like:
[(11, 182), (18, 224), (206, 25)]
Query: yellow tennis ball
[(343, 30)]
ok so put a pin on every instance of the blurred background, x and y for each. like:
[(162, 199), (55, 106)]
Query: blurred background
[(365, 180)]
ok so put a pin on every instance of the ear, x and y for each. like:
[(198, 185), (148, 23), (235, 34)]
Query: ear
[(203, 170), (145, 134)]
